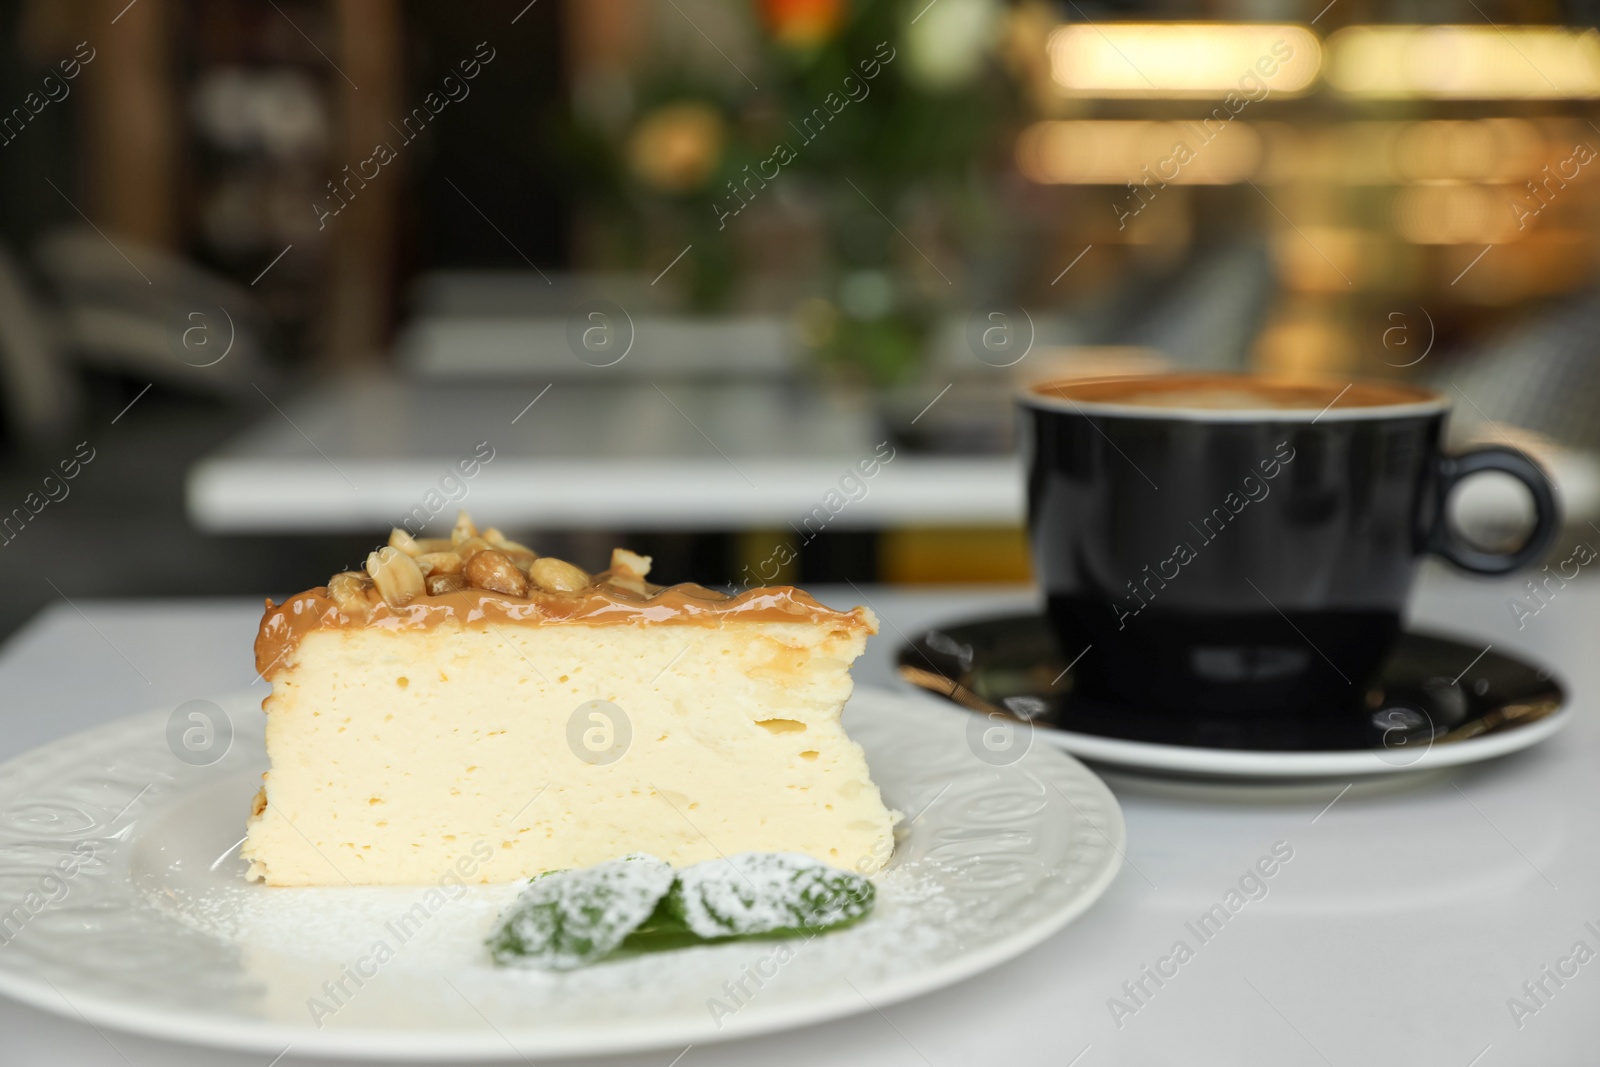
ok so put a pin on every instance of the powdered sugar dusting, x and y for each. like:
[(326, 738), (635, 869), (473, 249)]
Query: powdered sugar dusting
[(304, 940), (760, 892), (567, 919)]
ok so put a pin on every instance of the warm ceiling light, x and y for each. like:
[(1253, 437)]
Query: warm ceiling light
[(1161, 153), (1178, 59), (1465, 62)]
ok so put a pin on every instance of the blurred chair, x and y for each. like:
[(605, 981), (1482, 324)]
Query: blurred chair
[(1207, 317), (1542, 374), (1536, 386), (40, 396), (139, 311)]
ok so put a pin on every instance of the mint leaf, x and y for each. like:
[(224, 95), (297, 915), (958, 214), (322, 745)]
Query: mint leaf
[(567, 919), (766, 893)]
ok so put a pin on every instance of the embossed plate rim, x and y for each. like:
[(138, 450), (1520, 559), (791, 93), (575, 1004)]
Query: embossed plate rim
[(871, 711)]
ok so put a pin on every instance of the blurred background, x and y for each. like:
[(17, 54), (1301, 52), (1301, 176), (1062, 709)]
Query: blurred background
[(744, 284)]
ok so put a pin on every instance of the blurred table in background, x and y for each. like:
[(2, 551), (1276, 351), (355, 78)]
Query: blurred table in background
[(606, 407), (361, 455), (640, 456)]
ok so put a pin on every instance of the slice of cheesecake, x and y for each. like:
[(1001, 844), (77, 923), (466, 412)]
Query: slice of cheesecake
[(466, 708)]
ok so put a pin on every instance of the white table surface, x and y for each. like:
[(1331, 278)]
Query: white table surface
[(1411, 910)]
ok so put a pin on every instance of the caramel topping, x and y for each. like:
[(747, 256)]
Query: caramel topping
[(603, 603), (483, 581)]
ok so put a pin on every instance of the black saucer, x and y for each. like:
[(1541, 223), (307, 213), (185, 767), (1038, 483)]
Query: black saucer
[(1431, 690)]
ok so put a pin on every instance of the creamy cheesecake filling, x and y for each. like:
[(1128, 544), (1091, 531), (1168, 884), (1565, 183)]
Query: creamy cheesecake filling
[(395, 752)]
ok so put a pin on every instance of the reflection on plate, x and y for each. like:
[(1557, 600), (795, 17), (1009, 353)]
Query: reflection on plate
[(1436, 702), (155, 931)]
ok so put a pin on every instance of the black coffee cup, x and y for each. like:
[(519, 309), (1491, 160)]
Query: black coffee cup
[(1244, 543)]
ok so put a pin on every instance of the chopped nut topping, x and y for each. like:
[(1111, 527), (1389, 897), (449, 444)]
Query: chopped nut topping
[(398, 538), (493, 570), (471, 547), (445, 562), (440, 584), (396, 575), (409, 567), (557, 576), (349, 592), (630, 563)]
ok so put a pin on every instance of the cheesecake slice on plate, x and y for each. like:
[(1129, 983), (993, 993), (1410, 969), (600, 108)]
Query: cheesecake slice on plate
[(464, 707)]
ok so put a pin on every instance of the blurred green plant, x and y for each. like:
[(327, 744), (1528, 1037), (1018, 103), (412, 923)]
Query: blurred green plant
[(885, 118)]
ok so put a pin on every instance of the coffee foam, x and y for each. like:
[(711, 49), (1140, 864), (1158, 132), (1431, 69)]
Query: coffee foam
[(1234, 392)]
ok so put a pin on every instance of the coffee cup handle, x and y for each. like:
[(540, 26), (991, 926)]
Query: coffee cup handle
[(1449, 543)]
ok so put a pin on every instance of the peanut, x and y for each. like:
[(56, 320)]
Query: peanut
[(493, 570), (630, 563), (396, 575), (440, 584), (348, 591), (557, 576), (403, 541), (470, 547), (439, 563)]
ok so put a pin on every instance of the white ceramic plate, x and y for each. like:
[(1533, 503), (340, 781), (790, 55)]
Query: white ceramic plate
[(153, 929), (1358, 763)]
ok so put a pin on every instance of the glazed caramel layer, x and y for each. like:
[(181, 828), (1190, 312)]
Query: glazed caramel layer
[(602, 603)]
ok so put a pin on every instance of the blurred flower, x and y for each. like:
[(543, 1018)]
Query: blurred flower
[(802, 23), (946, 43), (676, 147)]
